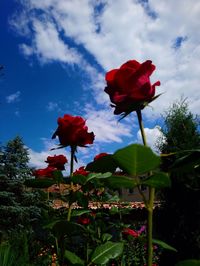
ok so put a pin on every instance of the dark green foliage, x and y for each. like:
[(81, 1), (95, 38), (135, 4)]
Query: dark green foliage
[(22, 213), (14, 160), (178, 222)]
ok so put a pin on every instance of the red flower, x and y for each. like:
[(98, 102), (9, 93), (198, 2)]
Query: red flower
[(129, 86), (43, 173), (98, 156), (72, 131), (83, 220), (128, 231), (81, 171), (57, 161)]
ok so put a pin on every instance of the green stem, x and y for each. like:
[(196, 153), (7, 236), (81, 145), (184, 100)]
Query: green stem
[(73, 149), (139, 115), (149, 204)]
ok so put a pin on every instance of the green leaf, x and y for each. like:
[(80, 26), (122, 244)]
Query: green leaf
[(39, 183), (163, 245), (97, 176), (76, 213), (106, 237), (73, 258), (58, 176), (102, 165), (136, 159), (79, 179), (188, 263), (119, 181), (188, 162), (107, 251), (157, 180)]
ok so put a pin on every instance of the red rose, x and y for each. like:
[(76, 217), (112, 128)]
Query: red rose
[(43, 173), (100, 155), (72, 131), (128, 231), (83, 220), (129, 86), (81, 171), (57, 161)]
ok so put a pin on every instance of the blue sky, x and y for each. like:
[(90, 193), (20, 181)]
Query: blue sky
[(56, 54)]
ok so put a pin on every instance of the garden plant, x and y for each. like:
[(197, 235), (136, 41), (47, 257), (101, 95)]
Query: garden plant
[(86, 236)]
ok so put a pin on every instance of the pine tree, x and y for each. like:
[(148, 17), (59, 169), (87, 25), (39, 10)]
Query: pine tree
[(14, 161)]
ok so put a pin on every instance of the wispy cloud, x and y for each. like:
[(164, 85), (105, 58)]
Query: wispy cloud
[(12, 98), (52, 106), (113, 32)]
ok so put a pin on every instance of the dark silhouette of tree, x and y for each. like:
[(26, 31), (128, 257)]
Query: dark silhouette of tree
[(178, 222)]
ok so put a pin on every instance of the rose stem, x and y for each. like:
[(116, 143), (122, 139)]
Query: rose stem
[(150, 203), (73, 149)]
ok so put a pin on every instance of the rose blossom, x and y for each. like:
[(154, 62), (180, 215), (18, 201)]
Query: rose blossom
[(129, 87), (100, 155), (83, 220), (131, 232), (57, 161), (72, 131), (81, 171), (46, 172)]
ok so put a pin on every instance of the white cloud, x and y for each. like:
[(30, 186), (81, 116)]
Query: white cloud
[(105, 126), (120, 31), (152, 136), (52, 106), (12, 98)]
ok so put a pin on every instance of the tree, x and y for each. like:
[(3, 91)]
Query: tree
[(178, 222), (14, 160), (180, 130)]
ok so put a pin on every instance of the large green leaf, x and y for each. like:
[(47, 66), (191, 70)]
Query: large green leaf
[(188, 263), (39, 183), (136, 159), (107, 251), (102, 165), (80, 212), (120, 181), (157, 180), (164, 245), (73, 258)]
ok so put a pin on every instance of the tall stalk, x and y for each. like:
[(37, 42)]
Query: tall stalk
[(150, 203), (73, 149)]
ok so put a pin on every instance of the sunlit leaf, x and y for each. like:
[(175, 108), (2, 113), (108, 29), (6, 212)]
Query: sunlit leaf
[(73, 258), (136, 159), (107, 251)]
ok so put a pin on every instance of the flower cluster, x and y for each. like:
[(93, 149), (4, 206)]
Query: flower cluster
[(55, 162)]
